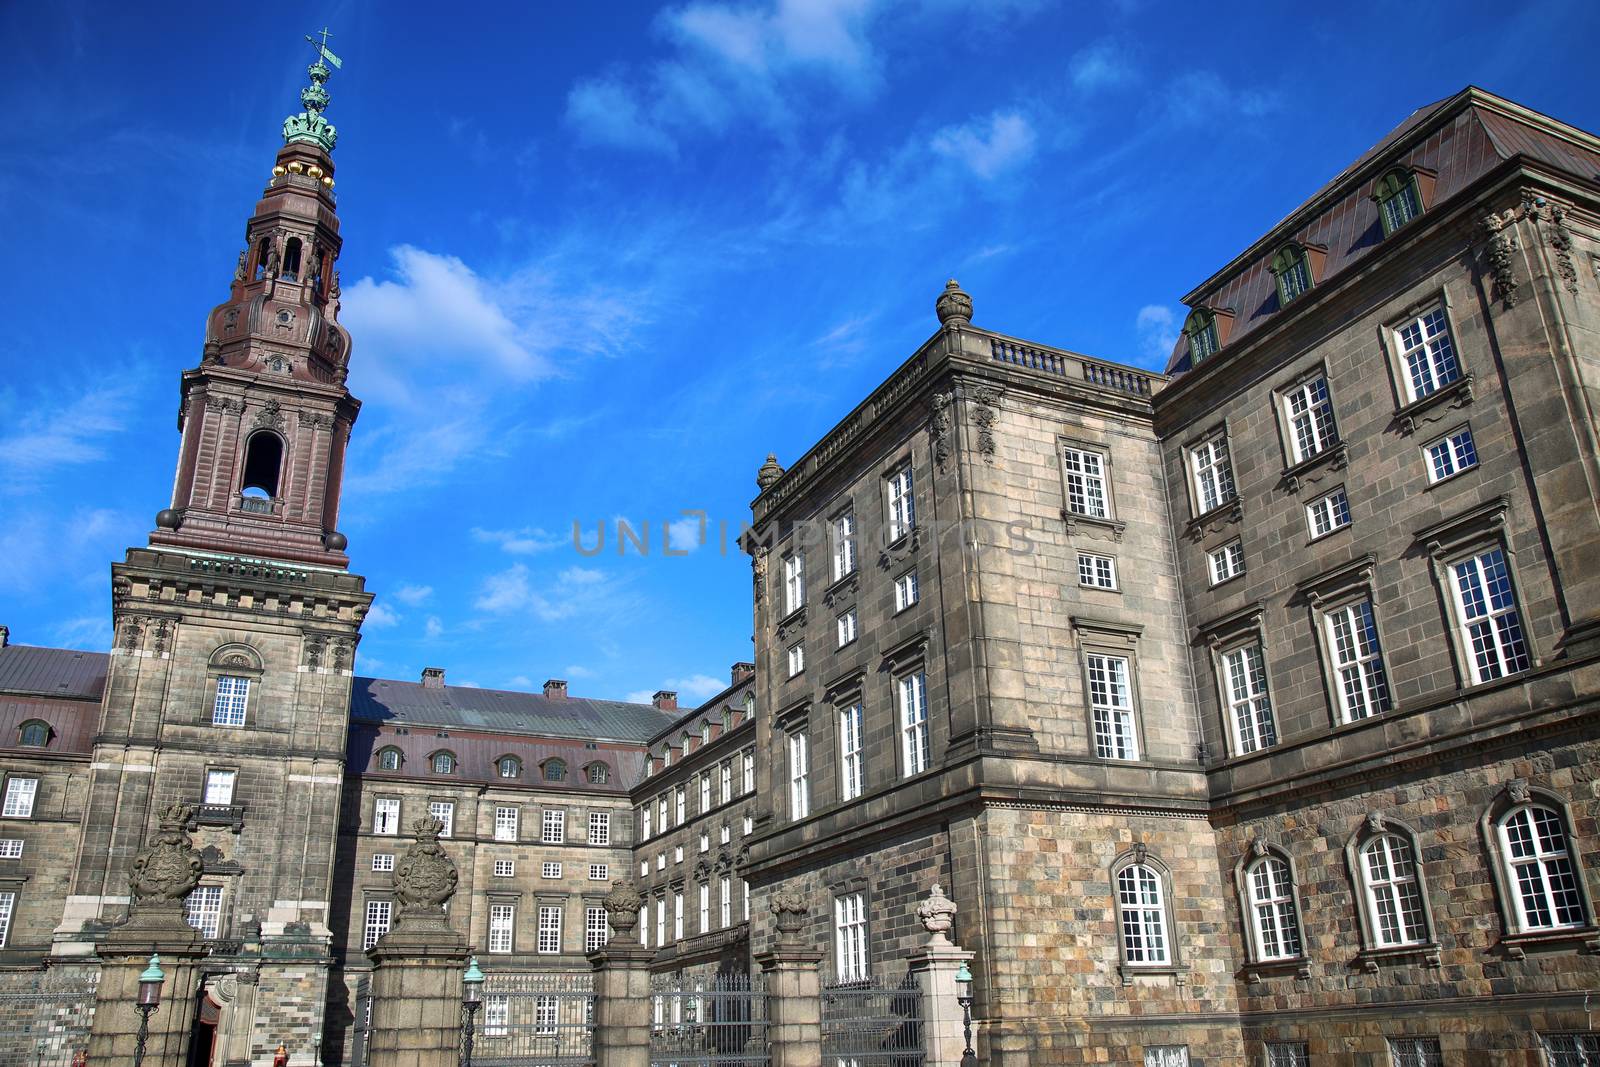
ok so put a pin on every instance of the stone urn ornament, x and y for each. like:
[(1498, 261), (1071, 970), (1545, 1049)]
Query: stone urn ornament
[(938, 915), (426, 876), (622, 906), (791, 907), (168, 868)]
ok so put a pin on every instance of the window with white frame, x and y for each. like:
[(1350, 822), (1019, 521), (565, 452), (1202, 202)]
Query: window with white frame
[(505, 868), (1244, 683), (202, 909), (502, 927), (725, 780), (1287, 1054), (705, 907), (850, 936), (445, 812), (219, 786), (1166, 1056), (644, 866), (444, 763), (8, 908), (1309, 411), (1097, 571), (1450, 454), (748, 770), (661, 812), (901, 506), (1111, 707), (794, 582), (1415, 1052), (554, 826), (383, 861), (661, 858), (1486, 607), (725, 834), (10, 848), (546, 1014), (599, 872), (386, 816), (1572, 1050), (496, 1015), (1393, 892), (1363, 684), (748, 826), (549, 929), (744, 889), (847, 627), (1213, 475), (596, 929), (1144, 916), (645, 822), (233, 694), (681, 796), (1226, 562), (599, 828), (705, 792), (1539, 869), (661, 921), (799, 775), (705, 840), (506, 820), (797, 658), (376, 924), (1427, 353), (1085, 472), (1274, 918), (844, 545), (913, 699), (850, 776), (548, 869), (725, 902), (1328, 513), (905, 590), (1399, 200), (677, 916)]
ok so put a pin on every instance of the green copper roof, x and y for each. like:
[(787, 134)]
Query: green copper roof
[(309, 127)]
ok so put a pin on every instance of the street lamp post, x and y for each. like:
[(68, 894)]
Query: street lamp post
[(969, 1058), (149, 1000), (471, 1001)]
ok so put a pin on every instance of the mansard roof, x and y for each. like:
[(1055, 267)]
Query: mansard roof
[(380, 700), (64, 673)]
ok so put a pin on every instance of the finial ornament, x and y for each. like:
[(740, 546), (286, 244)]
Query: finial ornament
[(769, 473), (938, 915), (309, 127), (954, 306)]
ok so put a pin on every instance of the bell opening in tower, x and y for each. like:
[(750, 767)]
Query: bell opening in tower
[(263, 458)]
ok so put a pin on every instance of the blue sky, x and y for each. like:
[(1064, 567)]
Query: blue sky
[(600, 259)]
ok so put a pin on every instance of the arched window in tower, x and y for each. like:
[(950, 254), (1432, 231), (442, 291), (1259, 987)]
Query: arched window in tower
[(291, 260), (261, 257), (263, 459)]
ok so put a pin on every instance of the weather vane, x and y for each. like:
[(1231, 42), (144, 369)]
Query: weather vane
[(322, 48)]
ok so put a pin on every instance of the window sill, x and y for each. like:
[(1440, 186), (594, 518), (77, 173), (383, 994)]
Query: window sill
[(1298, 966), (1447, 479), (228, 815), (1099, 588), (1225, 581), (1176, 971), (1516, 946), (1335, 457), (1230, 510), (795, 618), (1324, 536), (1370, 959), (1094, 525), (1457, 394)]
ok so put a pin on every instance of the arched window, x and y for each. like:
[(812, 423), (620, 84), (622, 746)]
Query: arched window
[(705, 733), (34, 734), (389, 759), (1142, 916), (1292, 268), (444, 763), (1201, 330), (509, 767), (261, 257), (291, 260), (263, 458), (1272, 915), (1399, 200), (599, 774), (749, 705), (555, 770), (1391, 889), (1539, 868)]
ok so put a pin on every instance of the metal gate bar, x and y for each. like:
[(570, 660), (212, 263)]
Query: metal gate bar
[(873, 1024), (719, 1021), (536, 1020)]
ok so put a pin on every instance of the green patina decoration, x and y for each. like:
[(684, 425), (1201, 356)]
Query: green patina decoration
[(309, 127)]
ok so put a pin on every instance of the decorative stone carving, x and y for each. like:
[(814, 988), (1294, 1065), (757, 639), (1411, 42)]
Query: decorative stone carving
[(333, 304), (1375, 822), (939, 407), (1561, 244), (163, 635), (1501, 254), (270, 417), (1140, 852), (1258, 848), (316, 645), (277, 364), (938, 915), (758, 571), (341, 654), (1517, 790), (984, 399), (953, 307), (168, 868), (238, 270), (132, 632), (426, 876), (791, 907), (769, 473), (622, 906), (316, 421), (225, 404)]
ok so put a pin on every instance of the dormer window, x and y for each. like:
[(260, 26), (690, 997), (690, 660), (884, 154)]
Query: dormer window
[(509, 767), (1201, 330), (34, 734), (555, 770), (1399, 199), (389, 759), (599, 774), (444, 763), (1292, 267)]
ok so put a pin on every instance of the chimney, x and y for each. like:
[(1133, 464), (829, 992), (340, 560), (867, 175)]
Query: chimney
[(555, 689), (743, 672), (5, 636), (665, 699), (433, 677)]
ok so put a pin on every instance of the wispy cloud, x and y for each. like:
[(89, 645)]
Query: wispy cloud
[(1157, 328), (522, 542), (989, 146), (46, 430), (1101, 66), (572, 592), (413, 594), (381, 618), (691, 690), (604, 111), (1204, 96)]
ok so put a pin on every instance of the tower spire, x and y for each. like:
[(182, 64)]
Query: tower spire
[(309, 127)]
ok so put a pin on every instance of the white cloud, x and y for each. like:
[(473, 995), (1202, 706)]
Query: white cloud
[(413, 594), (574, 591), (1157, 327), (691, 690), (526, 541), (46, 432), (434, 628), (381, 618), (988, 146), (1103, 65), (575, 670), (604, 112), (1203, 96), (685, 534), (505, 591)]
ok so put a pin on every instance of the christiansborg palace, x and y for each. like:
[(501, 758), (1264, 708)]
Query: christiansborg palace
[(1273, 743)]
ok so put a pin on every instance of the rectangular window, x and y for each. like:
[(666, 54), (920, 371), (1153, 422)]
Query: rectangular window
[(794, 582), (377, 922), (682, 798), (850, 776), (1249, 705), (661, 860), (847, 627), (1427, 353), (661, 812), (599, 872), (1288, 1054), (725, 902), (644, 867), (1111, 705), (705, 841), (11, 848), (1353, 639), (496, 1015), (1166, 1056), (219, 787), (799, 776), (1572, 1050), (1328, 513), (850, 936), (550, 870), (749, 826), (546, 1014), (725, 834), (1401, 206), (661, 921), (8, 907), (1309, 409), (1491, 629), (505, 868), (596, 930), (386, 816), (905, 591), (1450, 455), (1415, 1052), (725, 780), (677, 916), (705, 792), (1086, 482), (748, 770), (1096, 571), (232, 696), (502, 924), (202, 909), (445, 812), (549, 929), (744, 888), (705, 907), (383, 861), (505, 823), (797, 659), (1226, 562), (901, 506), (844, 545), (599, 828), (1213, 476), (554, 827), (645, 822), (913, 693)]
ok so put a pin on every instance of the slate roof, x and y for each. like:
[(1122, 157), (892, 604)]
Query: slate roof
[(381, 700), (60, 686)]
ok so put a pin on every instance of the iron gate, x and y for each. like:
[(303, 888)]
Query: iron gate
[(536, 1020), (720, 1021), (45, 1017), (873, 1024)]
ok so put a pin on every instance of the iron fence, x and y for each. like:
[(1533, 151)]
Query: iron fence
[(361, 1032), (45, 1017), (873, 1023), (719, 1021), (536, 1020)]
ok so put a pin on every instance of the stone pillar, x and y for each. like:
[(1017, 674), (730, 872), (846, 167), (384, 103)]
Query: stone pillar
[(794, 986), (622, 985), (934, 966)]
